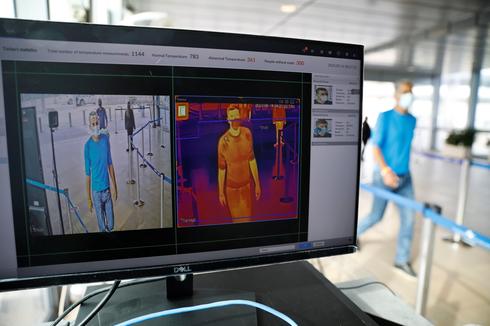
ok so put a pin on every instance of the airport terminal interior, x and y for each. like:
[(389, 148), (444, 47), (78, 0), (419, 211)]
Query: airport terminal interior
[(441, 46)]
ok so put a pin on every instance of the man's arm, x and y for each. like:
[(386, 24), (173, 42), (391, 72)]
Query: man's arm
[(389, 177), (113, 181), (89, 193), (255, 175), (221, 186)]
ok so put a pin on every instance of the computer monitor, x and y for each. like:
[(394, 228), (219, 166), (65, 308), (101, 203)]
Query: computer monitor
[(131, 152)]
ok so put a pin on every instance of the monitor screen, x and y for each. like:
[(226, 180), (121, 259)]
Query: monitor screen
[(129, 151)]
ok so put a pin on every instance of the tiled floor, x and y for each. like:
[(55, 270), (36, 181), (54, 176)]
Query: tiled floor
[(459, 289)]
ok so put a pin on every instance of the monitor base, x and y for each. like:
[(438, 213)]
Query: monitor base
[(180, 286)]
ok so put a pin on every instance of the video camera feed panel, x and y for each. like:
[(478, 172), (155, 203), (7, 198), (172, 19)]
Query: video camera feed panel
[(89, 146), (237, 159)]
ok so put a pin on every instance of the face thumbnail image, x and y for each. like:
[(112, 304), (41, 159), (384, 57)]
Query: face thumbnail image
[(323, 94), (237, 160), (90, 146), (322, 128)]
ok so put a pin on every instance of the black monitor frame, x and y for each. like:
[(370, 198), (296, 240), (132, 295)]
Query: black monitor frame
[(14, 28)]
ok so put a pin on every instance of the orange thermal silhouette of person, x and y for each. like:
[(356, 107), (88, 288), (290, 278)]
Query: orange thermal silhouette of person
[(236, 168)]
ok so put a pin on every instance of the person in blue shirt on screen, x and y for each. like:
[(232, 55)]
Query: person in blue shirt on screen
[(98, 168), (392, 140)]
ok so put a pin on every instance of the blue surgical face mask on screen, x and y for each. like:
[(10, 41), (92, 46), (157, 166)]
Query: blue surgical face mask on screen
[(94, 131)]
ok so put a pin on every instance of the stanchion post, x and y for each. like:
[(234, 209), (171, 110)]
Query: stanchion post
[(130, 161), (149, 142), (162, 145), (162, 179), (68, 209), (426, 254), (138, 202), (115, 122), (462, 194), (142, 165), (84, 118), (110, 114), (69, 119)]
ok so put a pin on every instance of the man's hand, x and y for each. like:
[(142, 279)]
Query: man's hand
[(389, 177), (258, 191), (90, 204), (222, 199), (114, 193)]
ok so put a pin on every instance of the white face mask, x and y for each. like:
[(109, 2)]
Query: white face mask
[(406, 100), (94, 131), (323, 98)]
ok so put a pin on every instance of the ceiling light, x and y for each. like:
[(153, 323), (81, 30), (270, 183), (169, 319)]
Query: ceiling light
[(288, 8)]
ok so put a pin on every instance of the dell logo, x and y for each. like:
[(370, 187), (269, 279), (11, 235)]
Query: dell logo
[(182, 269)]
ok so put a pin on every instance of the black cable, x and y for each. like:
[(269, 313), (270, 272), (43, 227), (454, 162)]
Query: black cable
[(99, 291), (100, 304), (366, 284)]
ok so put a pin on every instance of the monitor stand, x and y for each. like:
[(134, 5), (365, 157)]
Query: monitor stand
[(180, 290), (180, 286)]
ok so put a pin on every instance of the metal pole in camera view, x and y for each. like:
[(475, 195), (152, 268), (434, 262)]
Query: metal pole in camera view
[(55, 172), (162, 124), (130, 161), (84, 118), (69, 119), (142, 165), (110, 114), (278, 175), (115, 121), (68, 209), (149, 142), (40, 125), (138, 202), (162, 179), (286, 198)]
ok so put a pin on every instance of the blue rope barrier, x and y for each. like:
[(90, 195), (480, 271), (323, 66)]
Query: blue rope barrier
[(217, 304), (468, 234), (158, 173), (77, 214), (61, 192), (144, 126), (43, 186), (451, 159)]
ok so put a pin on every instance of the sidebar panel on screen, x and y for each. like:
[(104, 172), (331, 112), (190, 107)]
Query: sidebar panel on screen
[(334, 151)]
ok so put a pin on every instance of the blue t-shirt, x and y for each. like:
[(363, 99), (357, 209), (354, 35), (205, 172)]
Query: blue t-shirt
[(97, 156), (393, 135)]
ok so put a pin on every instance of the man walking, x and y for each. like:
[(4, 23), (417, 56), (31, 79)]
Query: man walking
[(98, 168), (129, 125), (102, 115), (392, 140)]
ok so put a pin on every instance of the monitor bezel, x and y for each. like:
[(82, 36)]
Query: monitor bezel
[(83, 32)]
